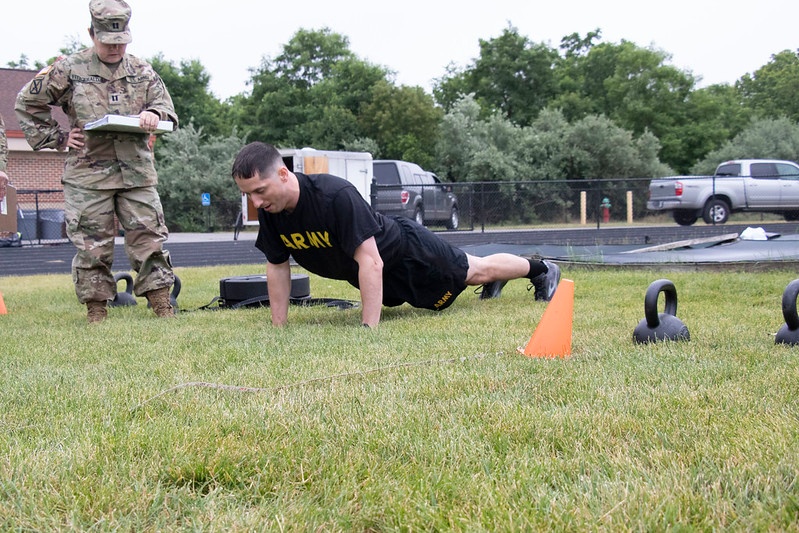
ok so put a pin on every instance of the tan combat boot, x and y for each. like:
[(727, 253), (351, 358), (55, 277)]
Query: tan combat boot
[(97, 312), (159, 301)]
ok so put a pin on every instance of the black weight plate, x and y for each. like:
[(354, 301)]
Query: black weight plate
[(239, 288)]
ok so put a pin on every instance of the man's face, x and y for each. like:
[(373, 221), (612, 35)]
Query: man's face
[(266, 192), (109, 53)]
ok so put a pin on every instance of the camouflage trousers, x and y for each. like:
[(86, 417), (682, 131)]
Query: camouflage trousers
[(90, 225)]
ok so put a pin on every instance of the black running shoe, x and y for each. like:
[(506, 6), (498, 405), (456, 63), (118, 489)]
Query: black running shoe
[(545, 284), (492, 289)]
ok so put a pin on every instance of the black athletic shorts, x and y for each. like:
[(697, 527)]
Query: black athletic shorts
[(430, 273)]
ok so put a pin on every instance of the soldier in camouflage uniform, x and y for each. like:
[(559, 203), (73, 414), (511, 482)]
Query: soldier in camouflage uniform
[(106, 172), (3, 159)]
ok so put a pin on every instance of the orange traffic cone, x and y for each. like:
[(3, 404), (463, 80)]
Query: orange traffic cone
[(3, 310), (553, 335)]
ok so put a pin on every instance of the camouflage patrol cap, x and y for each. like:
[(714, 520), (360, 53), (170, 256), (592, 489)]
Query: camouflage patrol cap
[(110, 21)]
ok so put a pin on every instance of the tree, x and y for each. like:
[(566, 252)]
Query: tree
[(73, 44), (766, 138), (451, 87), (571, 99), (476, 149), (635, 88), (575, 46), (188, 85), (771, 91), (336, 103), (310, 56), (549, 150), (23, 63), (593, 147), (713, 116), (546, 146), (632, 86), (403, 121), (273, 106), (191, 163), (310, 94), (512, 75), (317, 93), (599, 149), (471, 148)]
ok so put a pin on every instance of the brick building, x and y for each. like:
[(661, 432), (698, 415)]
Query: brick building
[(28, 169), (35, 175)]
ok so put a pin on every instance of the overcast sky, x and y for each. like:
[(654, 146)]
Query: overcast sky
[(718, 41)]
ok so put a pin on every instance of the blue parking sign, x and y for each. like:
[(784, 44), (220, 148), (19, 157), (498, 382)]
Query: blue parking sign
[(206, 198)]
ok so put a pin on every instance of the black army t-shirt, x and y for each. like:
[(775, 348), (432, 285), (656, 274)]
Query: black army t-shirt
[(330, 221)]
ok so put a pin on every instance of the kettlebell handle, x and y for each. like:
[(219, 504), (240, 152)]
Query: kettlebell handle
[(127, 278), (176, 287), (789, 305), (651, 301)]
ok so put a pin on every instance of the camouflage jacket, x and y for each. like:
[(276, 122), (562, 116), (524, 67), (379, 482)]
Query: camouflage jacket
[(3, 146), (87, 89)]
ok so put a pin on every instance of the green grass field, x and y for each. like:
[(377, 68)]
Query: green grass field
[(430, 422)]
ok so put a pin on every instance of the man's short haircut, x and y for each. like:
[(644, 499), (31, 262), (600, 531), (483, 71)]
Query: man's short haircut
[(256, 157)]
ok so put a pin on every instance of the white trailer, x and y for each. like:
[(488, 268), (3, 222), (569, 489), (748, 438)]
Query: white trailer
[(355, 167)]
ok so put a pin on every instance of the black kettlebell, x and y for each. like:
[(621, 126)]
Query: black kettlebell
[(789, 332), (660, 326), (125, 297), (173, 296)]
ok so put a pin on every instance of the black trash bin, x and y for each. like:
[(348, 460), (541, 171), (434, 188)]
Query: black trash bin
[(51, 224)]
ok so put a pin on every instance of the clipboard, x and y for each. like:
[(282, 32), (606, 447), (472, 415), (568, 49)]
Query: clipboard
[(125, 124)]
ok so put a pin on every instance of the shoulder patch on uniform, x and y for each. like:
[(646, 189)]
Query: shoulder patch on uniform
[(35, 86), (36, 82)]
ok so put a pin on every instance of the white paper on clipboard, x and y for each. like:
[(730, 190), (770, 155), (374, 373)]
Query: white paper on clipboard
[(128, 124)]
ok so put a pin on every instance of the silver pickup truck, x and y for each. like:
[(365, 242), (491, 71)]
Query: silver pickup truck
[(764, 185)]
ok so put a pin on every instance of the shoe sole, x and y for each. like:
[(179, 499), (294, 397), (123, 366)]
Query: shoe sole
[(557, 282)]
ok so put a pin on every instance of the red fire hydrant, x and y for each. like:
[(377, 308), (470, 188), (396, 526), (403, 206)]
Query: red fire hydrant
[(605, 205)]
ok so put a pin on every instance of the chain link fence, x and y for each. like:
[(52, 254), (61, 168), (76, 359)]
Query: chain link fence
[(190, 215), (479, 206), (40, 216), (522, 204), (465, 206)]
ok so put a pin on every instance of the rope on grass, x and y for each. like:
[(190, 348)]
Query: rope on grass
[(360, 373)]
